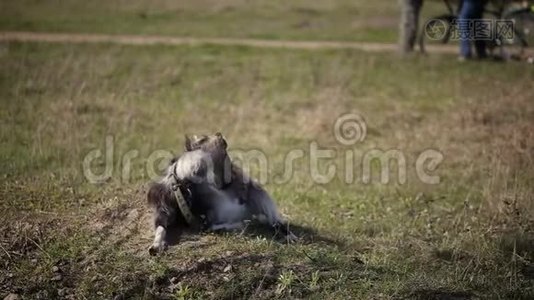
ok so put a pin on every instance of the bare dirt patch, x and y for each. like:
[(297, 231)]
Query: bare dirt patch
[(167, 40)]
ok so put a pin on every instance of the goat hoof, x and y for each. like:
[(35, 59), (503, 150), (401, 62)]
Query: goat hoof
[(155, 249), (291, 238)]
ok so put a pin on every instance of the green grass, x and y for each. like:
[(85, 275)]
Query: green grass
[(470, 235), (301, 20)]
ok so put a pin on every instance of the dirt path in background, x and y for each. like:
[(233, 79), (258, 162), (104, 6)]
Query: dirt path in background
[(168, 40)]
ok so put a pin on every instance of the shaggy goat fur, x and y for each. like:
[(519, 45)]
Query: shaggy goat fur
[(216, 190)]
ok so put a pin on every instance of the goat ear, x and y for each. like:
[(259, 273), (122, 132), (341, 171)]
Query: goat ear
[(188, 146), (221, 138)]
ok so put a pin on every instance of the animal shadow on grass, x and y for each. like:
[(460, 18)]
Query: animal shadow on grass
[(305, 235)]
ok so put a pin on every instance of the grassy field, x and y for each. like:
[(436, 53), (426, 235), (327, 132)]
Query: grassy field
[(354, 20), (468, 237), (471, 236)]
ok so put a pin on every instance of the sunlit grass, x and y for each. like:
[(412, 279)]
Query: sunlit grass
[(469, 234)]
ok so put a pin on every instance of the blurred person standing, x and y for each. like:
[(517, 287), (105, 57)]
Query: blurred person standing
[(409, 24), (470, 10)]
